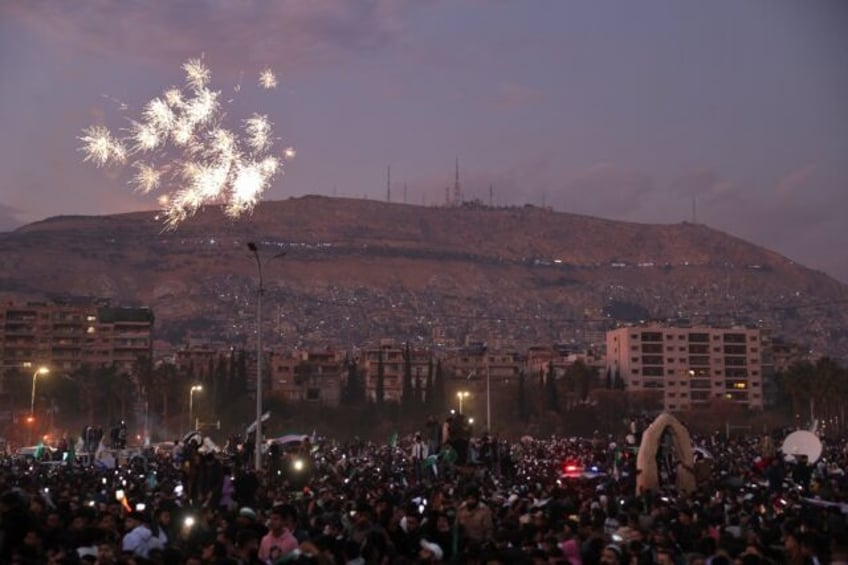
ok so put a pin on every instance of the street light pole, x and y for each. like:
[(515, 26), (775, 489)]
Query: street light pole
[(460, 395), (39, 371), (192, 390), (258, 452), (488, 396), (257, 457)]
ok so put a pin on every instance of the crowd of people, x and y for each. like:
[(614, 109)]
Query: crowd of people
[(442, 495)]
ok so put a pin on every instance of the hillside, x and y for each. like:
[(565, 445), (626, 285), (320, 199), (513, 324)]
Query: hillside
[(358, 270)]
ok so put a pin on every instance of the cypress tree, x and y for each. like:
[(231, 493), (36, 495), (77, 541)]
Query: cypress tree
[(523, 413), (407, 399), (428, 390), (551, 393), (380, 391), (618, 382), (439, 387)]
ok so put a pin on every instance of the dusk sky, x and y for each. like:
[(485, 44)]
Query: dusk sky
[(625, 110)]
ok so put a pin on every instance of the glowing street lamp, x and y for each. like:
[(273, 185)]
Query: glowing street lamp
[(192, 390), (461, 395), (31, 419), (39, 371)]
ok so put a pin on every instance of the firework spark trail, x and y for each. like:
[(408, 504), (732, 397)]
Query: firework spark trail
[(180, 141)]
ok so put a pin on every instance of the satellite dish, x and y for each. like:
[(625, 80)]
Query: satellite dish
[(800, 443)]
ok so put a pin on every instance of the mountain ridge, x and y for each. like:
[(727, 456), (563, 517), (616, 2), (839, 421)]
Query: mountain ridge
[(356, 270)]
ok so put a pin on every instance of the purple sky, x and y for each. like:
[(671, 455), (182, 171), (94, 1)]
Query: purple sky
[(623, 110)]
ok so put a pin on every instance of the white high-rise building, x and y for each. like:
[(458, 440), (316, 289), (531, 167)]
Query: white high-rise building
[(690, 366)]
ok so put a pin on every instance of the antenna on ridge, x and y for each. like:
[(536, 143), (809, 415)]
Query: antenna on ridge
[(389, 183), (457, 190), (491, 196), (694, 209)]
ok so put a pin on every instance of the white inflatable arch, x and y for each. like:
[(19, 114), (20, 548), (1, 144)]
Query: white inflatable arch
[(647, 477)]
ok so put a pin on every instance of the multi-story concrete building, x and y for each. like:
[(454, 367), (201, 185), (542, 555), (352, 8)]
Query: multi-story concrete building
[(67, 336), (311, 376), (690, 366), (390, 355)]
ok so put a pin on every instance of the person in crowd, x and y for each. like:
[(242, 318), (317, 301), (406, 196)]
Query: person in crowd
[(138, 539), (279, 541)]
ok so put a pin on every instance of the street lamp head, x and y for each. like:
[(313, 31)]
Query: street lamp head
[(43, 370), (197, 388), (252, 246)]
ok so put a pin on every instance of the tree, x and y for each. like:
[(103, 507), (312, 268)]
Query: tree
[(618, 382), (551, 392), (523, 412), (353, 393), (380, 389), (581, 376), (407, 393), (439, 395), (797, 383), (428, 390)]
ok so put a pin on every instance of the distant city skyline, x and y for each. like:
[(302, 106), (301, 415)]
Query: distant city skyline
[(628, 111)]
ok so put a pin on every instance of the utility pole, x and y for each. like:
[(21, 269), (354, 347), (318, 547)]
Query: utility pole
[(457, 190)]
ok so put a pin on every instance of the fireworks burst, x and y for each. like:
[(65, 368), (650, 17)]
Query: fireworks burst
[(180, 141), (267, 79)]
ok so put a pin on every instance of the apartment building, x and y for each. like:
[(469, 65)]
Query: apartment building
[(689, 366), (311, 376), (67, 336)]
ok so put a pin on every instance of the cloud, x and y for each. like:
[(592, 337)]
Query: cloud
[(511, 95), (607, 190), (285, 34), (8, 218), (704, 184), (795, 181)]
